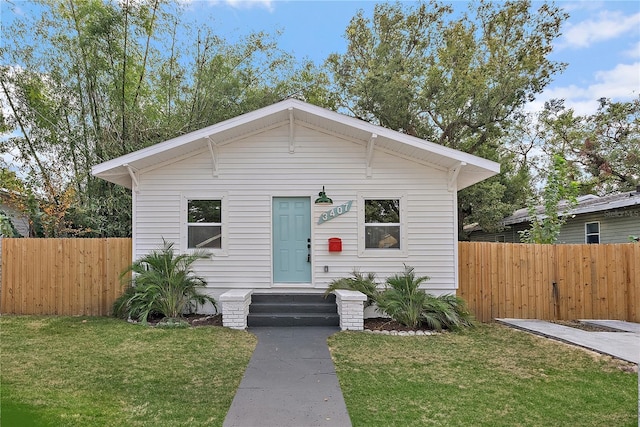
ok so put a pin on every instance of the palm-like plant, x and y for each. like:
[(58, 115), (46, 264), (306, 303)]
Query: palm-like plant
[(162, 283), (403, 300), (445, 312), (358, 282)]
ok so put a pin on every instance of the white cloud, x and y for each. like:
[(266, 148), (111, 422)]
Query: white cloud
[(248, 4), (236, 4), (633, 51), (607, 25), (622, 83)]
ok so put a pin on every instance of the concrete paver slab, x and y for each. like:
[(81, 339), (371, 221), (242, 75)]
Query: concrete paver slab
[(623, 345), (290, 381)]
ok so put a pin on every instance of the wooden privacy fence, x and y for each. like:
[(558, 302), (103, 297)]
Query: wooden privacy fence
[(62, 276), (550, 282)]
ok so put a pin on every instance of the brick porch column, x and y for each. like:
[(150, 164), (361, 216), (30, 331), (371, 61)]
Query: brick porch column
[(350, 309), (235, 308)]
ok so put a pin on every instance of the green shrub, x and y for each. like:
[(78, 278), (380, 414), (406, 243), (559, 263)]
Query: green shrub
[(365, 284), (162, 283), (402, 299), (446, 312), (405, 302)]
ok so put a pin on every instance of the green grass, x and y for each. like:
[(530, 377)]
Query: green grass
[(62, 371), (488, 376)]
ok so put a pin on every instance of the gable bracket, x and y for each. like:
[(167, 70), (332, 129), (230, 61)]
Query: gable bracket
[(134, 176), (453, 175), (370, 146), (213, 150), (292, 147)]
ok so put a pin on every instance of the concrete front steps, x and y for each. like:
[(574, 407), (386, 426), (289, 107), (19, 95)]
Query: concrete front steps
[(293, 310)]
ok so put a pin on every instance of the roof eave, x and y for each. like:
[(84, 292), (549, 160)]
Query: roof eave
[(475, 168)]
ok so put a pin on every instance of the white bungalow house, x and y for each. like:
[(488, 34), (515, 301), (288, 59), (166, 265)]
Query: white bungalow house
[(248, 191)]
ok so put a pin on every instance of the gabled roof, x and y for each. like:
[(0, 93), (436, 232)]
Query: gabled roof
[(466, 168), (586, 204)]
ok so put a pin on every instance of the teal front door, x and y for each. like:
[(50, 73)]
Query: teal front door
[(291, 240)]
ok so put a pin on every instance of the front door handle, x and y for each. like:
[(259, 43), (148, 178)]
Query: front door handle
[(309, 249)]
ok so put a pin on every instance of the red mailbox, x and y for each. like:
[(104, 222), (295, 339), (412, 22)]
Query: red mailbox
[(335, 244)]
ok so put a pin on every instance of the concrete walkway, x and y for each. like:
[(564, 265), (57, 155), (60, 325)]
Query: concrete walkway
[(290, 381), (623, 345)]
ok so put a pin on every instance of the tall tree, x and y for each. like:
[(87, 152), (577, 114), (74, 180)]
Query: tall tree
[(609, 152), (452, 80), (602, 149), (108, 78)]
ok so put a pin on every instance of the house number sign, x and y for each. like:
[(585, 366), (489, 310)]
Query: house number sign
[(335, 212)]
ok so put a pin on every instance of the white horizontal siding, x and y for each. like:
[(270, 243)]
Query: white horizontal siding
[(253, 170)]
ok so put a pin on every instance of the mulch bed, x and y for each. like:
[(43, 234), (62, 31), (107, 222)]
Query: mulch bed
[(193, 320), (583, 326), (373, 324), (204, 320), (384, 324)]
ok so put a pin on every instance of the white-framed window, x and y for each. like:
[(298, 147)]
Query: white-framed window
[(592, 232), (205, 223), (382, 229)]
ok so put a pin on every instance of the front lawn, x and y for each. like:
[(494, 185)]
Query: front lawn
[(487, 376), (72, 371)]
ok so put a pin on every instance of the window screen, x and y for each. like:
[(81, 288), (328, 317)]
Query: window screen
[(592, 232), (382, 223), (204, 224)]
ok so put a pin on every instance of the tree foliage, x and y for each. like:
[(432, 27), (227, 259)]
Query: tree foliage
[(108, 78), (602, 149), (609, 148), (7, 229), (453, 80), (559, 197)]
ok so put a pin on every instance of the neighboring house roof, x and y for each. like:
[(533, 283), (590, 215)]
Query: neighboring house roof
[(465, 169), (586, 204)]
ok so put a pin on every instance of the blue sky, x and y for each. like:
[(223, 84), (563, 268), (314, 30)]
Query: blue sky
[(600, 41)]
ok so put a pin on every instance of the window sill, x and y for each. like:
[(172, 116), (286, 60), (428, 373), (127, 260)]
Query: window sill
[(211, 252), (380, 253)]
